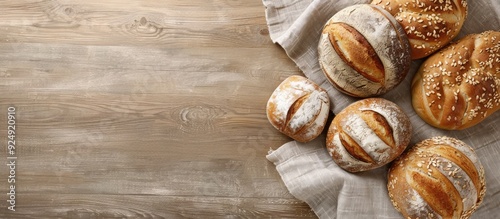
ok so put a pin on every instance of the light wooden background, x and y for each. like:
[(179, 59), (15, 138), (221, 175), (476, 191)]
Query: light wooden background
[(141, 109)]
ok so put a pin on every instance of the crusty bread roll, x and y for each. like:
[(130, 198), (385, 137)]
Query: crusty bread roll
[(429, 24), (299, 108), (440, 177), (459, 86), (363, 51), (368, 134)]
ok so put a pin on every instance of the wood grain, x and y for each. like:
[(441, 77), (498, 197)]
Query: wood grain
[(141, 109)]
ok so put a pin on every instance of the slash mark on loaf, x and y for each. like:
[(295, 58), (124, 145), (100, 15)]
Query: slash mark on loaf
[(354, 149), (291, 111), (353, 48), (380, 126)]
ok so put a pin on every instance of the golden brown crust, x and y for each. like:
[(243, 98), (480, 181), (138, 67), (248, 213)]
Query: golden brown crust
[(459, 86), (429, 24), (368, 134), (380, 125), (291, 111), (354, 149), (356, 51), (299, 108), (363, 51), (437, 190), (440, 177)]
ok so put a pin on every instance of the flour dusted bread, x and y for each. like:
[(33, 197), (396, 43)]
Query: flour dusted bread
[(459, 86), (440, 177), (368, 134), (363, 51), (299, 108), (429, 24)]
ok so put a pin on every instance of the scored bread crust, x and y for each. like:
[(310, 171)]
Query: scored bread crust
[(299, 108), (440, 177), (459, 86), (429, 24), (368, 134), (363, 51)]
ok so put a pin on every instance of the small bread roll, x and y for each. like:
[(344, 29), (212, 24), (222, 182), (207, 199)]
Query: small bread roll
[(429, 24), (368, 134), (299, 108), (459, 86), (440, 177), (363, 51)]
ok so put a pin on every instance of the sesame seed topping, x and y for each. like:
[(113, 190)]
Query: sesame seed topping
[(460, 68)]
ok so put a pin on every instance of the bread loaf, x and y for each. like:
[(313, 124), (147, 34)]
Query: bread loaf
[(459, 86), (429, 24), (363, 51), (368, 134), (299, 108), (440, 177)]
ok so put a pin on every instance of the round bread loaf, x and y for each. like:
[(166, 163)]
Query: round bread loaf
[(299, 108), (440, 177), (363, 51), (368, 134), (459, 86), (429, 24)]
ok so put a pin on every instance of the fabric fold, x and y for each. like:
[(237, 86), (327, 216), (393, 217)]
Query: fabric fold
[(310, 175)]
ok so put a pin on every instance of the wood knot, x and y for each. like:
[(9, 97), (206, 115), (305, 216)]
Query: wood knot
[(143, 21), (200, 119), (264, 32), (69, 11), (61, 16), (145, 28)]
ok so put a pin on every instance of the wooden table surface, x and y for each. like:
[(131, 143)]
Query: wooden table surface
[(141, 109)]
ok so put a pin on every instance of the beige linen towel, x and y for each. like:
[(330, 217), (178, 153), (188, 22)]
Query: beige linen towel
[(307, 170)]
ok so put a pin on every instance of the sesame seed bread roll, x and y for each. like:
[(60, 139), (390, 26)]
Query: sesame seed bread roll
[(429, 24), (440, 177), (363, 51), (459, 86), (368, 134), (299, 108)]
